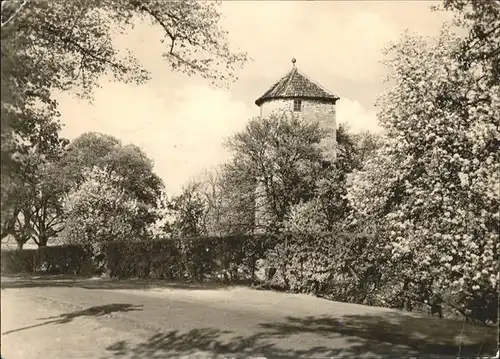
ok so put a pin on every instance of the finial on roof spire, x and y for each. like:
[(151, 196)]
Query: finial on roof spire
[(294, 61)]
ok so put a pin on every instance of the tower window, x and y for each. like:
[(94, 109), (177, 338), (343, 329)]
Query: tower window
[(297, 105)]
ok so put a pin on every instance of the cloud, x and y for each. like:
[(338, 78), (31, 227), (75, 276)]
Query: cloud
[(356, 116)]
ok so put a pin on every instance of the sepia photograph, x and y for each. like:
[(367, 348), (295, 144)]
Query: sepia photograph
[(254, 179)]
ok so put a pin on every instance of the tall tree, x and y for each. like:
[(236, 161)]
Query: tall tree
[(480, 20), (44, 204), (228, 195), (283, 153)]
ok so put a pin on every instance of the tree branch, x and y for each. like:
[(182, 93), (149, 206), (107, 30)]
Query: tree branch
[(162, 23), (15, 12), (68, 41)]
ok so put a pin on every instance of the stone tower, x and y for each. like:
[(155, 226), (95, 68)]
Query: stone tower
[(297, 95)]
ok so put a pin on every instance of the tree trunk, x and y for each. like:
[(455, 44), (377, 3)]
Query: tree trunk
[(20, 240), (406, 303), (42, 240)]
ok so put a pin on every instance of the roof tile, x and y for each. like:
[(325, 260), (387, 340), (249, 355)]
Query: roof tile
[(296, 84)]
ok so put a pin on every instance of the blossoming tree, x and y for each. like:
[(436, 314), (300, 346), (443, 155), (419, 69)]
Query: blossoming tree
[(434, 186), (99, 210)]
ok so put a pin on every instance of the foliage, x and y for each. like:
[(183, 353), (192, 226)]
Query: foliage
[(108, 153), (210, 189), (158, 259), (36, 195), (480, 20), (228, 199), (347, 149), (434, 184), (327, 211), (67, 259), (160, 228), (30, 143), (217, 203), (429, 188), (18, 261), (307, 217), (48, 188)]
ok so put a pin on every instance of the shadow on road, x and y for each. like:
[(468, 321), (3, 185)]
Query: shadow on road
[(381, 334), (422, 334), (100, 283), (96, 311), (389, 335)]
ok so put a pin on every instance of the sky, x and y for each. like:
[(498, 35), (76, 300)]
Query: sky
[(181, 122)]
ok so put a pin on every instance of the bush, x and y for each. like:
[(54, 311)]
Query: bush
[(158, 259), (18, 261), (339, 266), (191, 259), (66, 259)]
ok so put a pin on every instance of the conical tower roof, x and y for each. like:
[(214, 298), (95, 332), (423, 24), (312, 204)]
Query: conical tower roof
[(296, 84)]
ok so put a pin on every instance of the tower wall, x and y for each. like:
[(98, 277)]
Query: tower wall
[(262, 211)]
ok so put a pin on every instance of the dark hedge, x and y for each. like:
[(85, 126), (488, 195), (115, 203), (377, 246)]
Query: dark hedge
[(65, 259), (192, 259)]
